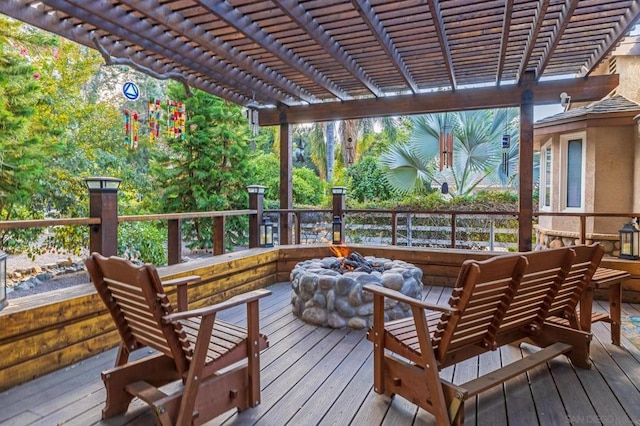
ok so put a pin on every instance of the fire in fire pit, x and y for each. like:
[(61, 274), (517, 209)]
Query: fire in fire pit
[(328, 292)]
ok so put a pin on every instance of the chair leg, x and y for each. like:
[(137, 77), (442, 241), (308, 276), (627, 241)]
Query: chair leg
[(253, 353)]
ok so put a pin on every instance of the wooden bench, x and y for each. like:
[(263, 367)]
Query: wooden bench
[(504, 300)]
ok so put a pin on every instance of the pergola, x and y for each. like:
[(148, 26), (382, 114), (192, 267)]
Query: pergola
[(318, 60)]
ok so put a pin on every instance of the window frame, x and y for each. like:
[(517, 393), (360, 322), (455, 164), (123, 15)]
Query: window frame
[(564, 167), (542, 197)]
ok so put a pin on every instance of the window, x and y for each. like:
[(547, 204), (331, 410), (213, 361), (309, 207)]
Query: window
[(573, 163), (545, 177)]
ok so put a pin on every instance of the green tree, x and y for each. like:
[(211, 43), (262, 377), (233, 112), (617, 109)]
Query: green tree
[(207, 169), (477, 152), (366, 182)]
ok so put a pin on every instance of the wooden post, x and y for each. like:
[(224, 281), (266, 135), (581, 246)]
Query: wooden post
[(286, 181), (103, 203), (256, 202), (525, 175), (218, 235), (174, 241)]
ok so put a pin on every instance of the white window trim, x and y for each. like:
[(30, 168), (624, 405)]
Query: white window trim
[(543, 178), (564, 141)]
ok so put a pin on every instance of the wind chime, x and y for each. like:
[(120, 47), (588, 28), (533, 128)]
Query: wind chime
[(130, 129), (154, 118), (176, 119), (506, 145), (446, 145)]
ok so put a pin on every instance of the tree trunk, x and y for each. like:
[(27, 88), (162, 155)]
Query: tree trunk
[(330, 134)]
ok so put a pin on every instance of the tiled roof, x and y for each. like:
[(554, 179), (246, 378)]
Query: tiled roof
[(617, 103)]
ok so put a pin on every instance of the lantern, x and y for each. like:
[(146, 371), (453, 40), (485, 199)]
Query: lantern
[(337, 230), (629, 241), (266, 232)]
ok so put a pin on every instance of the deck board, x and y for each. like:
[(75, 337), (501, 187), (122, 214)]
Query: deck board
[(321, 376)]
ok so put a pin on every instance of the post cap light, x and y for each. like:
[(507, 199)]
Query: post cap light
[(337, 190), (256, 189), (102, 183)]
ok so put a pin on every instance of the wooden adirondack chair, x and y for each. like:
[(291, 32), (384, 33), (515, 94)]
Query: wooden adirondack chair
[(191, 346), (503, 300)]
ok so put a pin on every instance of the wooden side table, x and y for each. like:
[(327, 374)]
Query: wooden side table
[(604, 278)]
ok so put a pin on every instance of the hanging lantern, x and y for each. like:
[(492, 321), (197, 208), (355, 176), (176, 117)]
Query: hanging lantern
[(336, 230), (446, 146)]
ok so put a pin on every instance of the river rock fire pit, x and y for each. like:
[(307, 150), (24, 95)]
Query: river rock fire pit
[(328, 292)]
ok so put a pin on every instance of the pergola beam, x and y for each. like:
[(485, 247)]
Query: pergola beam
[(233, 17), (370, 18), (304, 20), (545, 92)]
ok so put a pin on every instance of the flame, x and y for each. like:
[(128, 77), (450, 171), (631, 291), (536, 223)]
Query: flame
[(340, 251)]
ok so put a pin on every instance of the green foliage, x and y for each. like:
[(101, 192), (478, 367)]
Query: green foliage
[(265, 171), (366, 182), (208, 169), (477, 152), (142, 242), (308, 189)]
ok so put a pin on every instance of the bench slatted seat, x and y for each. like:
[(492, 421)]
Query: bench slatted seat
[(217, 362), (503, 300)]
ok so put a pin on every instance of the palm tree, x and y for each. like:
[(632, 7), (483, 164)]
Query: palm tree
[(477, 154)]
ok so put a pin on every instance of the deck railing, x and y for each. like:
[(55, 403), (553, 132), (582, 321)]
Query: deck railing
[(480, 230)]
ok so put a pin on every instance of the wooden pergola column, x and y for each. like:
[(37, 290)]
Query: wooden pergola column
[(286, 181), (525, 175)]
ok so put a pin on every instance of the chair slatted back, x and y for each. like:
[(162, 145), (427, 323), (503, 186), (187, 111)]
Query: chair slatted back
[(483, 291), (579, 277), (136, 300), (544, 277)]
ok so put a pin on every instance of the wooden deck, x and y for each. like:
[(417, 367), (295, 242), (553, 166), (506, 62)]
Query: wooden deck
[(313, 375)]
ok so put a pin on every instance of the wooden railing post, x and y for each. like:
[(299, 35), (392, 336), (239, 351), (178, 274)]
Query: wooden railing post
[(297, 217), (256, 202), (174, 241), (103, 204), (218, 235), (453, 230)]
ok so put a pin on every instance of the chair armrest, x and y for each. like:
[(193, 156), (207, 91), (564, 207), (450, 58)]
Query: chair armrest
[(241, 299), (181, 281), (393, 294), (181, 288)]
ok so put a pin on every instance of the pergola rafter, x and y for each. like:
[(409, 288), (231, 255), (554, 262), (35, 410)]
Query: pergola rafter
[(531, 40), (558, 30), (175, 22), (320, 36), (504, 39), (242, 23), (377, 29), (438, 25)]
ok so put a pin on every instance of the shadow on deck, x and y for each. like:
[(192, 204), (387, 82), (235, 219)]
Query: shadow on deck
[(314, 375)]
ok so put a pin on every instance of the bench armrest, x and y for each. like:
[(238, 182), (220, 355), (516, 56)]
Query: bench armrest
[(393, 294), (241, 299)]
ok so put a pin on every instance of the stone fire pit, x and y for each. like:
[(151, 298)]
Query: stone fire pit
[(329, 294)]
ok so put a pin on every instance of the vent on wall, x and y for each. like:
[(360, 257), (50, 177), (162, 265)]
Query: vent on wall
[(613, 69)]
